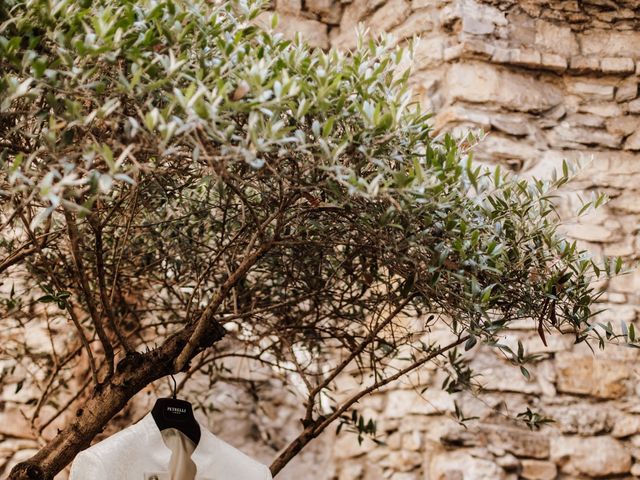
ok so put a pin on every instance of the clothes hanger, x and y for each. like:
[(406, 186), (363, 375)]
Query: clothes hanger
[(178, 414)]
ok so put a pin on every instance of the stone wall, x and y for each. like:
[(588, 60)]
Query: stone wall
[(547, 80)]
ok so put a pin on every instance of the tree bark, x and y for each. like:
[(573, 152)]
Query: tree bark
[(133, 373), (293, 449)]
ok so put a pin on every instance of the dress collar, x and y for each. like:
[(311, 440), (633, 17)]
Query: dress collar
[(162, 454)]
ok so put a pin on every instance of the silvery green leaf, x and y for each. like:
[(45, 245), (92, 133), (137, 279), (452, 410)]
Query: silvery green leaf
[(105, 182)]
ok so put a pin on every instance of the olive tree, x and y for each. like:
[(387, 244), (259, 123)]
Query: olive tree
[(179, 186)]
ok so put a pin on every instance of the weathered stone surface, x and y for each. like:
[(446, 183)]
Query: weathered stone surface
[(499, 147), (477, 25), (588, 232), (626, 425), (346, 446), (615, 297), (500, 55), (591, 90), (519, 442), (582, 64), (581, 374), (555, 343), (627, 283), (351, 471), (407, 476), (501, 438), (355, 12), (538, 470), (476, 18), (556, 113), (602, 109), (402, 461), (390, 15), (633, 142), (617, 65), (328, 10), (626, 202), (457, 113), (417, 23), (292, 7), (551, 61), (627, 90), (593, 456), (521, 29), (634, 106), (584, 419), (401, 403), (620, 315), (469, 48), (585, 120), (429, 52), (525, 57), (315, 33), (610, 44), (477, 83), (462, 466), (565, 135), (623, 126), (508, 461), (515, 125), (412, 441), (556, 38)]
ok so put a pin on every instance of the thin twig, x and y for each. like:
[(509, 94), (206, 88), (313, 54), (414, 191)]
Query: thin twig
[(106, 303), (124, 241), (83, 282), (354, 353), (313, 430), (74, 318)]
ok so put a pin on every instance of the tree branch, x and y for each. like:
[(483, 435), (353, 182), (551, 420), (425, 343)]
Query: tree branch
[(315, 429), (106, 302), (72, 230), (23, 252)]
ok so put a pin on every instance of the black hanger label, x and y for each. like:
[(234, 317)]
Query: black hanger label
[(171, 411)]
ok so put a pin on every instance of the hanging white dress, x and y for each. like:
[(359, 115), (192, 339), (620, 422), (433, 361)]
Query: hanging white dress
[(143, 452)]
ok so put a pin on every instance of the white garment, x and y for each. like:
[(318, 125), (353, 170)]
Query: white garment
[(181, 466), (140, 453)]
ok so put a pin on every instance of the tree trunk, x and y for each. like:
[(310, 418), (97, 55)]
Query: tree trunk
[(133, 373)]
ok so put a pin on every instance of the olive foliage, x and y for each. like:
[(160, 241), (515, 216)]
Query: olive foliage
[(168, 168)]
